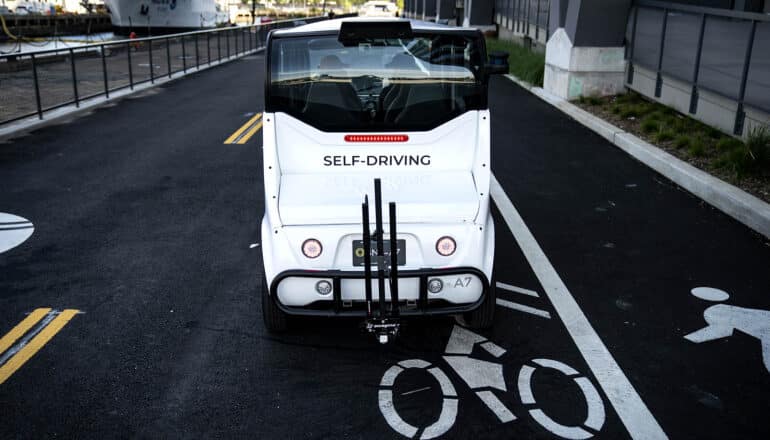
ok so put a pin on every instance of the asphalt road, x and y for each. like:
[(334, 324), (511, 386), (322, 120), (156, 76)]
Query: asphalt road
[(145, 223)]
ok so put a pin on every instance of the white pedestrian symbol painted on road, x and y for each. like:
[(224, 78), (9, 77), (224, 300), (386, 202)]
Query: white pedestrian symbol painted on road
[(14, 230), (485, 379), (724, 319)]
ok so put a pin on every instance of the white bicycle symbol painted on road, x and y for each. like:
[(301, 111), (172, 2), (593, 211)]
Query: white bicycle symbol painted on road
[(483, 377)]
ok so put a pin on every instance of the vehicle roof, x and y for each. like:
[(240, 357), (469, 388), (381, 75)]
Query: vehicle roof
[(332, 26)]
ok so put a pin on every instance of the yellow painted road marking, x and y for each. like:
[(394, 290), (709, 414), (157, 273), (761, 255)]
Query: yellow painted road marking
[(35, 344), (23, 327), (250, 133), (243, 128)]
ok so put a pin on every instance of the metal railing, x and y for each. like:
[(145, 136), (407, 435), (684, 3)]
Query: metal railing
[(36, 82), (723, 51), (528, 18)]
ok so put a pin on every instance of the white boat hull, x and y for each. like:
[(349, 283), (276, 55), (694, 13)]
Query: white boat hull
[(163, 16)]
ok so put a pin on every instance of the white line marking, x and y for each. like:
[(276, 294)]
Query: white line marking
[(523, 308), (493, 349), (253, 245), (515, 289), (415, 391), (14, 230), (497, 407), (634, 414)]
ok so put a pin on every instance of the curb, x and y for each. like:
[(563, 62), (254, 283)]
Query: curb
[(729, 199), (51, 117)]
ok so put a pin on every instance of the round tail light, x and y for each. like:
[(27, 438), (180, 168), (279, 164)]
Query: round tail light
[(446, 246), (312, 248)]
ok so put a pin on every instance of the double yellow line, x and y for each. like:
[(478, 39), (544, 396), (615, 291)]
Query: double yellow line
[(247, 130), (46, 323)]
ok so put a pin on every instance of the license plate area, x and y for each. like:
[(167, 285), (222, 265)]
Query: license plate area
[(358, 252)]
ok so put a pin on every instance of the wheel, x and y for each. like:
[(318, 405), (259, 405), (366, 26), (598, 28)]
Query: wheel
[(484, 316), (276, 321)]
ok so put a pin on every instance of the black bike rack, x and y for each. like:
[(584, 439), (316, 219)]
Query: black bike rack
[(387, 324)]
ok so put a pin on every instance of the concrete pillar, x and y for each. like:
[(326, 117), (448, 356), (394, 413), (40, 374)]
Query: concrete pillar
[(429, 10), (584, 55), (445, 9), (478, 14)]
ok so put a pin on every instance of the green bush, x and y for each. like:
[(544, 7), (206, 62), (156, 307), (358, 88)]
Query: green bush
[(758, 146), (713, 133), (629, 112), (593, 100), (650, 125), (697, 146), (664, 135), (727, 143), (525, 64), (682, 141)]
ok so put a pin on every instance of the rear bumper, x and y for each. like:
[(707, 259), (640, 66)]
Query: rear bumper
[(347, 296)]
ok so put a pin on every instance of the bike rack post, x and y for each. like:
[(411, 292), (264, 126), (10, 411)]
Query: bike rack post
[(386, 324), (367, 237), (393, 261), (380, 252)]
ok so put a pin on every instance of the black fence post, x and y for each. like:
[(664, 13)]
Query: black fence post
[(548, 22), (197, 54), (184, 57), (37, 87), (152, 66), (696, 69), (529, 8), (219, 46), (515, 16), (658, 76), (208, 48), (235, 41), (104, 73), (227, 43), (74, 78), (740, 115), (630, 79), (130, 68), (537, 22), (168, 56)]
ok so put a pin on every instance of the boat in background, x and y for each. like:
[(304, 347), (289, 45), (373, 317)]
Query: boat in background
[(153, 17)]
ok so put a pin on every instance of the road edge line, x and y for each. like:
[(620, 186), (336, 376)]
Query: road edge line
[(729, 199), (634, 414)]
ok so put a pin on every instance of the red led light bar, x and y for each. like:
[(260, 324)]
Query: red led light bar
[(376, 138)]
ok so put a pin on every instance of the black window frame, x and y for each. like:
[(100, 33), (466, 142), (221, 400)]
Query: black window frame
[(468, 33)]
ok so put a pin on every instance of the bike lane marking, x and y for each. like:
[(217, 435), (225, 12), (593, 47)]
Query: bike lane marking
[(633, 412)]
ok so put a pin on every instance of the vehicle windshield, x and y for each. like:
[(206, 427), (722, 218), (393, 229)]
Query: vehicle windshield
[(412, 84)]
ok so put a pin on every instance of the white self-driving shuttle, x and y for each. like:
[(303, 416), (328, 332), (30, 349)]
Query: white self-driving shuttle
[(377, 172)]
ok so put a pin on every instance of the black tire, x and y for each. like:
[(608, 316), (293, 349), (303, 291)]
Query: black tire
[(276, 321), (484, 316)]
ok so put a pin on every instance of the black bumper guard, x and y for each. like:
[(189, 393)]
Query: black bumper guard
[(386, 323)]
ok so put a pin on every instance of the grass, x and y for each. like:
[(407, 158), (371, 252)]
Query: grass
[(525, 64), (682, 141), (662, 124), (664, 135)]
